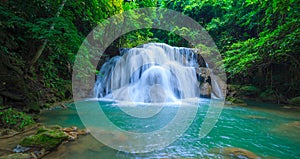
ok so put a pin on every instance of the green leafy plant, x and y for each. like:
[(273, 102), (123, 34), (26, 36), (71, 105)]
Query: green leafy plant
[(11, 118)]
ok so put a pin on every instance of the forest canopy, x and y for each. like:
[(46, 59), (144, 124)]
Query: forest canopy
[(258, 40)]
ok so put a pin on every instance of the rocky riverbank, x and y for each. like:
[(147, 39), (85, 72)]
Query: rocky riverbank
[(37, 141)]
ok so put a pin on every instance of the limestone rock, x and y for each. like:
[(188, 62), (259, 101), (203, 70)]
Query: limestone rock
[(205, 90), (45, 138), (83, 132), (72, 128)]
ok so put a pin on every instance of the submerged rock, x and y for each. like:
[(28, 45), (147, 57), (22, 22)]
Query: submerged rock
[(290, 126), (256, 117), (289, 130), (295, 123), (239, 153), (233, 152)]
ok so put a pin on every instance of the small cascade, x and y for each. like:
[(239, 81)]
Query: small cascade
[(150, 73)]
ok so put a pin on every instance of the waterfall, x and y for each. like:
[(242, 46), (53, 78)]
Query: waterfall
[(153, 72)]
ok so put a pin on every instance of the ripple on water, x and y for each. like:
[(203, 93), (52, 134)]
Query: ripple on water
[(262, 132)]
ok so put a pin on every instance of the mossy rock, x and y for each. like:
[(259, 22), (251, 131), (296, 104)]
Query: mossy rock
[(45, 138), (295, 101)]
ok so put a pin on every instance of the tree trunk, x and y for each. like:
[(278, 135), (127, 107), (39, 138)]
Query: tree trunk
[(42, 47)]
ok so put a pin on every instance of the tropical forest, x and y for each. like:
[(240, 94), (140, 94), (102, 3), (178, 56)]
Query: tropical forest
[(149, 79)]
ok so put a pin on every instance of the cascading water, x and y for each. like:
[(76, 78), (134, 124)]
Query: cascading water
[(149, 73)]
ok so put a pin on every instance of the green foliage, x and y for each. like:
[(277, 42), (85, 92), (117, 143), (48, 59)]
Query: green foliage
[(295, 101), (268, 95), (26, 26), (11, 118), (256, 39), (249, 90), (259, 40), (235, 101), (134, 38)]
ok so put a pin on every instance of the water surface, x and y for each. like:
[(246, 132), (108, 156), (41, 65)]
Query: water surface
[(269, 133)]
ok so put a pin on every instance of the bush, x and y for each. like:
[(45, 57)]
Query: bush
[(13, 119), (295, 101), (268, 96), (235, 101), (249, 90)]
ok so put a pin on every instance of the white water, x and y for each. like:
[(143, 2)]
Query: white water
[(150, 73)]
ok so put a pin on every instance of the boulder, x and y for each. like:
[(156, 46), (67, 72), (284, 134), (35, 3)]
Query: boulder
[(45, 138), (205, 90), (239, 153), (290, 130)]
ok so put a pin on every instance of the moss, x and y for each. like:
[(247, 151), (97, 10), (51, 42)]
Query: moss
[(295, 101), (45, 138)]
